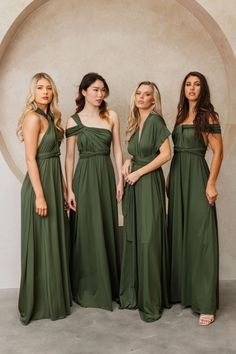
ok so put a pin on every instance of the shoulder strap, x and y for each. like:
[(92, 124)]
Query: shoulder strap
[(76, 118)]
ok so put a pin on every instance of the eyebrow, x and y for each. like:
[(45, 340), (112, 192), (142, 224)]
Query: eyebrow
[(193, 81), (144, 91)]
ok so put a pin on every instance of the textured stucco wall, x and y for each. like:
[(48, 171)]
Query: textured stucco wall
[(126, 41)]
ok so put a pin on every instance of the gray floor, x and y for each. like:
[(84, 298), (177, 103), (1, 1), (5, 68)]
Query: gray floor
[(119, 332)]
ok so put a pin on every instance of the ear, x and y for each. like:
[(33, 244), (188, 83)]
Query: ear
[(84, 93)]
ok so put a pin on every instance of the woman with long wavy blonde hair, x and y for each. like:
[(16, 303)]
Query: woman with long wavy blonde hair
[(45, 287), (31, 105), (144, 274), (134, 118)]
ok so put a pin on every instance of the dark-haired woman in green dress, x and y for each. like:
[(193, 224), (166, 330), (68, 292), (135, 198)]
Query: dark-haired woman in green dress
[(145, 273), (192, 222), (93, 195), (45, 285)]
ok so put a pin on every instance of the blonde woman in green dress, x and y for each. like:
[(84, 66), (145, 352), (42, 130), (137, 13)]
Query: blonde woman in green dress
[(45, 285), (145, 273), (93, 195), (192, 221)]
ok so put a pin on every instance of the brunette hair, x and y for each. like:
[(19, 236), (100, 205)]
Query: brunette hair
[(30, 104), (86, 82), (134, 115), (205, 112)]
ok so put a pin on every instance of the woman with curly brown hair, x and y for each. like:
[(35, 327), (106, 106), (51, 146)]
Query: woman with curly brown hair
[(192, 221)]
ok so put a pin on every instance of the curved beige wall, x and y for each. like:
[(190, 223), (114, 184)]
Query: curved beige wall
[(160, 41)]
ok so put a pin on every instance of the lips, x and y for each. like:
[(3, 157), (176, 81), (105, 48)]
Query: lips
[(45, 98)]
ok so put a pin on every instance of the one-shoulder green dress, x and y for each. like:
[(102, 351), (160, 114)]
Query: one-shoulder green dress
[(192, 224), (145, 265), (45, 283), (94, 225)]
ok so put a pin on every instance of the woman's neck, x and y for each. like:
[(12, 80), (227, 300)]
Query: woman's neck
[(191, 111), (90, 110), (144, 113), (43, 107)]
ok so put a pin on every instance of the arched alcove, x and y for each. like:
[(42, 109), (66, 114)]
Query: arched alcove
[(126, 42)]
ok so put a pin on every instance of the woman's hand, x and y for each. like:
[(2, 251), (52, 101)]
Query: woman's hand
[(126, 168), (41, 206), (66, 205), (119, 192), (71, 200), (133, 177), (211, 193)]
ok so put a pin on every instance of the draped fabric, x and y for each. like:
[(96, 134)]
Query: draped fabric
[(192, 224), (45, 285), (94, 225), (145, 273)]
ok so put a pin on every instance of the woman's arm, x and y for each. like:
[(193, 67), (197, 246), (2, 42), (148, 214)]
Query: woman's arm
[(126, 168), (31, 131), (117, 152), (216, 144), (163, 157), (69, 165)]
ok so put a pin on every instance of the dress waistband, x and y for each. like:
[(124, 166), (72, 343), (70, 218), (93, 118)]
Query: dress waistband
[(47, 155), (87, 154), (144, 161), (195, 151)]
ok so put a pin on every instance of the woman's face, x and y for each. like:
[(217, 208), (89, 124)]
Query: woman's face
[(144, 97), (192, 88), (43, 92), (95, 93)]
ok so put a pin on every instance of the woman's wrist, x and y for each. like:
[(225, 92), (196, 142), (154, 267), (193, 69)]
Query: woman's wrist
[(211, 182)]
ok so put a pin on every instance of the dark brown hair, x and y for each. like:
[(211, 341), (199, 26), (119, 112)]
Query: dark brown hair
[(86, 82), (205, 112)]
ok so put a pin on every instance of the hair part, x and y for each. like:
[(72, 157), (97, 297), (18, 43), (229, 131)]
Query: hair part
[(205, 112), (31, 105), (86, 82), (134, 118)]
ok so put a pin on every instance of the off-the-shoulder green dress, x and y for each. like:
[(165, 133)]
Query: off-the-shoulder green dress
[(192, 224), (94, 225), (45, 283), (145, 273)]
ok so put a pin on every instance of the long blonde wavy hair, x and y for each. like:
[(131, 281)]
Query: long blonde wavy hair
[(30, 104), (134, 115)]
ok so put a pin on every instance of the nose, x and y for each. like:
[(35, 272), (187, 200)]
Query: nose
[(100, 94)]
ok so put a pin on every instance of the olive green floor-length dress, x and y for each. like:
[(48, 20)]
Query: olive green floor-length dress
[(45, 285), (145, 273), (192, 224), (94, 225)]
